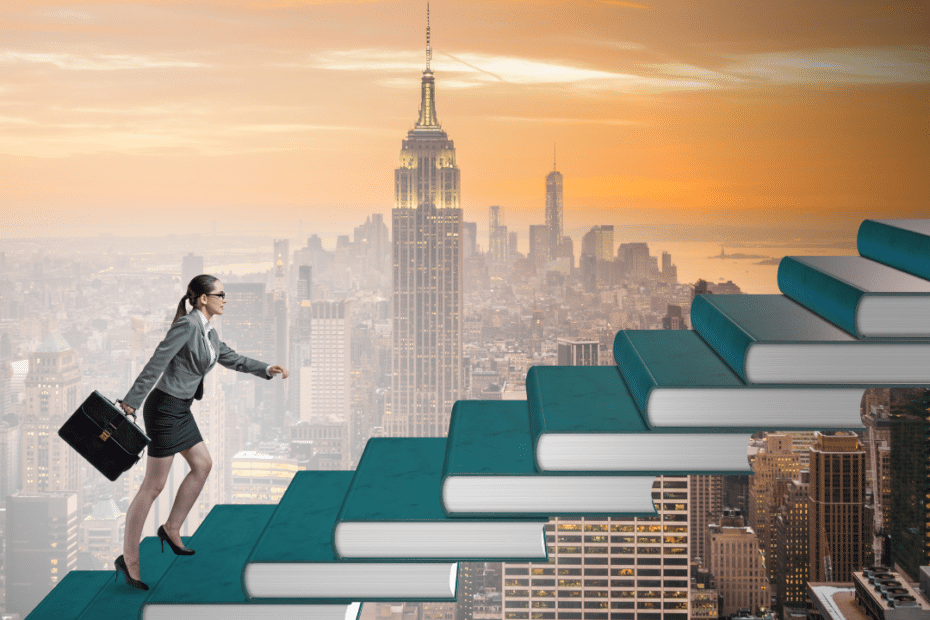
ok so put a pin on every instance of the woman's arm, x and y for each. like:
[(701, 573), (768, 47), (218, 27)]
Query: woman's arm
[(240, 363), (180, 332)]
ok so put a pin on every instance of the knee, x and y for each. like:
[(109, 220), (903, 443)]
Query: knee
[(151, 488), (203, 466)]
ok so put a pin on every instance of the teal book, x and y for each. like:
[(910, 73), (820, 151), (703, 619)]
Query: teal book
[(117, 599), (393, 510), (583, 418), (902, 244), (294, 554), (489, 471), (863, 297), (208, 585), (773, 339), (71, 595), (677, 380)]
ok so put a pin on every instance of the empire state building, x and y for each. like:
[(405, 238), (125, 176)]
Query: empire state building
[(426, 360)]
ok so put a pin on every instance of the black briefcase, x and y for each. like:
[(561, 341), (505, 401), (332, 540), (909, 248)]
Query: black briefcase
[(102, 434)]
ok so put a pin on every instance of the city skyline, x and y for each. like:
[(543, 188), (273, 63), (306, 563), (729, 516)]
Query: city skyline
[(248, 114)]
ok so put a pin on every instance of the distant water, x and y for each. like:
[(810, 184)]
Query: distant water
[(692, 258)]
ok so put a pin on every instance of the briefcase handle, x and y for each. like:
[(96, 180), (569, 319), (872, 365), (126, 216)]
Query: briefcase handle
[(133, 414)]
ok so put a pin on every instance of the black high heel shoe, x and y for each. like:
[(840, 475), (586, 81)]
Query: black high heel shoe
[(178, 549), (120, 564)]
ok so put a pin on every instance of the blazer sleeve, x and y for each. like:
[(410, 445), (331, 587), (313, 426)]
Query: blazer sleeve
[(179, 334), (240, 363)]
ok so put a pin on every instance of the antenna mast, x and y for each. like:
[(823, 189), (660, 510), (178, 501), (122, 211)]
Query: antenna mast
[(428, 52)]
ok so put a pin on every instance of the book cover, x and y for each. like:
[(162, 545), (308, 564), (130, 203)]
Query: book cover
[(393, 509), (677, 380), (294, 555), (902, 244), (117, 599), (584, 418), (71, 595), (772, 339), (209, 583), (863, 297), (489, 470)]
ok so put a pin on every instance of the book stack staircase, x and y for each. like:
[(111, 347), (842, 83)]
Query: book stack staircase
[(588, 441)]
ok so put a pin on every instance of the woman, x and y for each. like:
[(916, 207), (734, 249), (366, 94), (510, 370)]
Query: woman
[(190, 349)]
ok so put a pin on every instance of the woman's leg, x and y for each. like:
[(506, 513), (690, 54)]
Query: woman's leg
[(156, 474), (200, 462)]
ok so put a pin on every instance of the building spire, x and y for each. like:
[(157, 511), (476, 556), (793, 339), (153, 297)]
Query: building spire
[(427, 118), (428, 52)]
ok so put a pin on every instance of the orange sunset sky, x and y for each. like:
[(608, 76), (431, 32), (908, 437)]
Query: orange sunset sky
[(164, 116)]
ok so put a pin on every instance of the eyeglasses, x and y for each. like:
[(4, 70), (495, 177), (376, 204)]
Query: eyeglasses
[(221, 295)]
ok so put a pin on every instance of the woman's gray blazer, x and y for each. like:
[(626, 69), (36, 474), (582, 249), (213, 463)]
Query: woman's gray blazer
[(182, 359)]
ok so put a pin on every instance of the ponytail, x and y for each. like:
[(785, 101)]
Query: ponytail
[(200, 285), (181, 309)]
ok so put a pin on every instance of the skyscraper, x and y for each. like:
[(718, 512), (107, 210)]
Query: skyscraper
[(706, 507), (554, 209), (52, 386), (792, 537), (328, 390), (838, 535), (41, 545), (909, 522), (304, 283), (774, 462), (276, 332), (539, 245), (497, 236), (426, 363), (734, 559), (191, 266), (609, 568), (243, 329)]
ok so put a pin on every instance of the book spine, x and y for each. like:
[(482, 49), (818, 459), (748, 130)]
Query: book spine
[(724, 336), (834, 300), (537, 421), (896, 247), (635, 373), (450, 444), (345, 501)]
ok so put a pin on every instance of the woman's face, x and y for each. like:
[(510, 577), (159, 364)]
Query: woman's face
[(215, 301)]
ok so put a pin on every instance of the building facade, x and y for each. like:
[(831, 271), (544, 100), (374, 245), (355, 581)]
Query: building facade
[(52, 384), (41, 545), (328, 388), (736, 563), (791, 537), (775, 461), (426, 373), (609, 568), (706, 507), (837, 533), (554, 210), (909, 520), (497, 236)]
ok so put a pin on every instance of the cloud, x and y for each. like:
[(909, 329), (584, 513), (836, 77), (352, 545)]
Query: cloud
[(96, 62), (66, 14), (628, 5), (891, 65), (274, 128), (470, 69), (565, 120)]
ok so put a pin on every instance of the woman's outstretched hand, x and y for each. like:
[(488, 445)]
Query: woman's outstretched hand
[(278, 370)]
